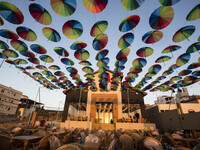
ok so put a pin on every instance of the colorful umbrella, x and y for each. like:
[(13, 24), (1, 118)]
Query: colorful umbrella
[(38, 49), (190, 78), (19, 45), (10, 62), (183, 59), (37, 74), (176, 78), (193, 47), (11, 13), (184, 72), (72, 29), (81, 54), (101, 54), (87, 70), (168, 2), (194, 13), (78, 45), (40, 14), (20, 61), (98, 28), (167, 72), (135, 70), (41, 67), (20, 68), (183, 33), (172, 67), (196, 73), (51, 34), (61, 51), (46, 58), (120, 63), (3, 45), (199, 38), (139, 62), (100, 42), (171, 49), (126, 40), (162, 59), (95, 6), (64, 78), (34, 60), (129, 23), (54, 67), (3, 56), (47, 73), (194, 65), (85, 63), (144, 52), (72, 70), (123, 53), (160, 78), (59, 73), (153, 70), (10, 53), (63, 7), (8, 34), (1, 21), (26, 33), (132, 75), (103, 62), (152, 37), (67, 61), (28, 54), (161, 17), (131, 4), (29, 67)]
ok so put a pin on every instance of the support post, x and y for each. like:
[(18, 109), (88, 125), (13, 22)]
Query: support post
[(66, 108)]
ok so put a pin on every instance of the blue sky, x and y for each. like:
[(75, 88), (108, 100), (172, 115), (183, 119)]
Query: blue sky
[(114, 14)]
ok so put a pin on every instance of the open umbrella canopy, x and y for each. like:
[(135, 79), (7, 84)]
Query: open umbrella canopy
[(193, 48), (47, 73), (67, 61), (171, 48), (1, 21), (196, 73), (46, 58), (194, 13), (176, 78), (123, 53), (61, 51), (98, 28), (20, 61), (183, 59), (26, 33), (183, 33), (34, 60), (161, 17), (85, 63), (54, 67), (139, 62), (38, 49), (168, 2), (8, 34), (153, 70), (95, 6), (3, 45), (194, 65), (101, 54), (10, 53), (19, 45), (28, 54), (152, 37), (3, 56), (72, 29), (11, 13), (184, 72), (100, 42), (129, 23), (131, 4), (81, 54), (51, 34), (64, 7), (40, 14), (87, 70), (126, 40), (162, 59), (144, 52), (78, 45), (59, 73)]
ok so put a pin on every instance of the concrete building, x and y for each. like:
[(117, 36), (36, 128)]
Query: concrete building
[(185, 115), (164, 99), (104, 107), (9, 99)]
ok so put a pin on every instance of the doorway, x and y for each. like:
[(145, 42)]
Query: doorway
[(104, 112)]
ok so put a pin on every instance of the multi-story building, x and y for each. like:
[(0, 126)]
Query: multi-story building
[(9, 99), (164, 99)]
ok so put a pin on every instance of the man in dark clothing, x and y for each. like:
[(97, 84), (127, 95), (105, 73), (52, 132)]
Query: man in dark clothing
[(137, 116)]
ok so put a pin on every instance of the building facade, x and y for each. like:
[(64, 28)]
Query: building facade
[(9, 99)]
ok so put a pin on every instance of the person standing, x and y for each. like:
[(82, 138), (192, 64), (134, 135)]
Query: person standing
[(137, 116)]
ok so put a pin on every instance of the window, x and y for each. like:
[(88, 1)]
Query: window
[(8, 108), (14, 94), (2, 91)]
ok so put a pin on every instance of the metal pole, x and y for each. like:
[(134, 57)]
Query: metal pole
[(58, 111), (79, 102), (128, 101)]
